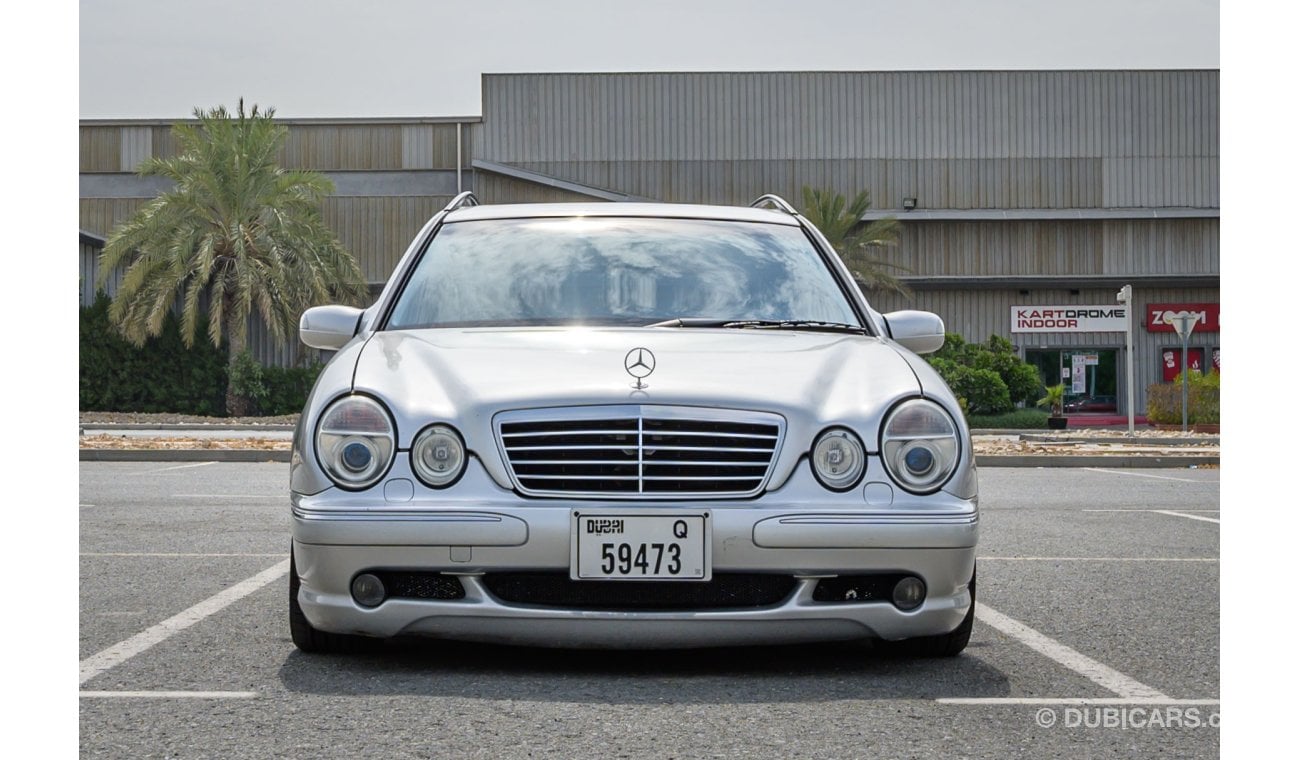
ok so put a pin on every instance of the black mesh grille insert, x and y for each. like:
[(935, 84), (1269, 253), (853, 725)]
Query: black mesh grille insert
[(725, 591), (415, 585)]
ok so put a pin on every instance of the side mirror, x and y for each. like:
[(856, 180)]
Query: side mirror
[(918, 331), (328, 327)]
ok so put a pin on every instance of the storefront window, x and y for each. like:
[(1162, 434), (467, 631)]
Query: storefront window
[(1089, 376)]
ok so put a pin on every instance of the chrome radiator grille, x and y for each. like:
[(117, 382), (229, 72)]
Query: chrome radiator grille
[(639, 452)]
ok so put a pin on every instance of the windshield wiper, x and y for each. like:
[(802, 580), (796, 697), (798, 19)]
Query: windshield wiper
[(763, 324)]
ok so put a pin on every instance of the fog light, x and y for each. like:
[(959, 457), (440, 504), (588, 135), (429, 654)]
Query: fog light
[(909, 593), (369, 591)]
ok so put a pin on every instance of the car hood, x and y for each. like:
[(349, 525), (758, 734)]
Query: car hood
[(464, 377)]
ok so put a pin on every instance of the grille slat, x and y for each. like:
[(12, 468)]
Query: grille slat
[(639, 451)]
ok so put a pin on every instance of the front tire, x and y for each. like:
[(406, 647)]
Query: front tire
[(310, 639)]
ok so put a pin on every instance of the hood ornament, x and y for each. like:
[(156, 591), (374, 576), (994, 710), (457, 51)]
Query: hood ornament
[(639, 363)]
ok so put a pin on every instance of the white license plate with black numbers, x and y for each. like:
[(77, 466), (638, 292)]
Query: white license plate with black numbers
[(641, 546)]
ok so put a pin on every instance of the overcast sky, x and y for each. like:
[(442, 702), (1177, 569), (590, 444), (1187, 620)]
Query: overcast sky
[(162, 58)]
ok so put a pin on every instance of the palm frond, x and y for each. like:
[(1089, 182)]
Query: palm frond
[(235, 230)]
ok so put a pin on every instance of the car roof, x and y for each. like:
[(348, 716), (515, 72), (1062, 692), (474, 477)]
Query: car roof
[(646, 210)]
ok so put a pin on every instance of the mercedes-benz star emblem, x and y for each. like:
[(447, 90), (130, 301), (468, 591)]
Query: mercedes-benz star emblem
[(639, 363)]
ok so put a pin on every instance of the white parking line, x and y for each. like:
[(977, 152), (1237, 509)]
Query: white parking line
[(168, 694), (227, 496), (123, 651), (1180, 514), (1135, 509), (1070, 701), (1098, 559), (1102, 675), (1145, 475), (177, 467)]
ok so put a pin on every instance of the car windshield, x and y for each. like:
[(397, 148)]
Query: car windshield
[(617, 271)]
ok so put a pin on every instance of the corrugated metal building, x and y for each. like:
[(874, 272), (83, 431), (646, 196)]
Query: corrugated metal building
[(1035, 189)]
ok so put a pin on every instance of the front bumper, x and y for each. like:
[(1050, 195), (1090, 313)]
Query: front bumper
[(795, 531)]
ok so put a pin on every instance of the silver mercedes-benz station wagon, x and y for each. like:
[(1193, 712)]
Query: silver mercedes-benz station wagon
[(629, 425)]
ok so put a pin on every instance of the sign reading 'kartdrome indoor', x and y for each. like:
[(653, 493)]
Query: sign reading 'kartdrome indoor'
[(1053, 319)]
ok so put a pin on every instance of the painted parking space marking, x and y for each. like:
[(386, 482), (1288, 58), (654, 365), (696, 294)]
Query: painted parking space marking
[(1202, 518), (177, 467), (276, 499), (1067, 700), (168, 694), (121, 652), (1171, 513), (1098, 559), (1140, 509), (1103, 675), (1147, 475)]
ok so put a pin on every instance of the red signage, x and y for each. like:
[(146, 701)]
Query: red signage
[(1171, 362), (1208, 323)]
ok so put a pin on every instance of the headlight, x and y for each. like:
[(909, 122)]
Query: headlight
[(918, 444), (355, 442), (838, 460), (438, 456)]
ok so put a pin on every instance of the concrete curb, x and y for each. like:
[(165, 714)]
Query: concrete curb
[(1099, 460), (174, 427), (1212, 440), (984, 460)]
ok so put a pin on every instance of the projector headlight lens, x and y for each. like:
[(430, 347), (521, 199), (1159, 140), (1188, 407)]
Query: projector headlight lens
[(355, 442), (919, 445)]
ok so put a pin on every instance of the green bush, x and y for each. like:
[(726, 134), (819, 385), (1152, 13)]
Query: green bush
[(287, 388), (161, 376), (1017, 381), (981, 390), (165, 376), (1165, 400), (1020, 419)]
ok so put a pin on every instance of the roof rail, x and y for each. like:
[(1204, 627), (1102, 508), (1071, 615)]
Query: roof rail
[(781, 204), (466, 198)]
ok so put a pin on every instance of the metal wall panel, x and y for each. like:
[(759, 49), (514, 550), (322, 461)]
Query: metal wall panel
[(494, 188), (802, 115), (976, 139), (1017, 248), (88, 271), (101, 149), (417, 146), (343, 147), (1161, 246), (137, 145), (378, 230), (101, 215)]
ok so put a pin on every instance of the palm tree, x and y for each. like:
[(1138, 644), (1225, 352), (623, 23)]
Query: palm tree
[(857, 245), (236, 232)]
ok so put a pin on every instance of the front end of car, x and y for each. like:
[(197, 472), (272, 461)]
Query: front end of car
[(680, 514), (629, 425)]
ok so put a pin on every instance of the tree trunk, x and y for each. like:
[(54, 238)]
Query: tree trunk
[(237, 405)]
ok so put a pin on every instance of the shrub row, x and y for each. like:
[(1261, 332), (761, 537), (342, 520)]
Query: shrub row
[(164, 375), (989, 377), (1165, 400)]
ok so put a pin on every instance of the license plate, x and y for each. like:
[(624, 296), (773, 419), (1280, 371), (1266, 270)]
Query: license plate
[(668, 546)]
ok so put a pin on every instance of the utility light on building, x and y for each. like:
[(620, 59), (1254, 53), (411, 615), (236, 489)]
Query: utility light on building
[(909, 204)]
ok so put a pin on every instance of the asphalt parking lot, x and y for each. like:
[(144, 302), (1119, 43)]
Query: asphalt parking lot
[(1097, 634)]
